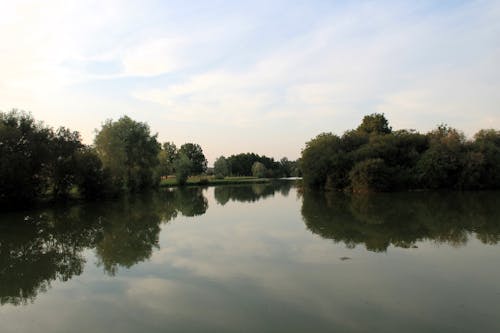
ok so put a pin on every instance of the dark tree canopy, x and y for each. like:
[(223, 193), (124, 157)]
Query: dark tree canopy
[(375, 158), (195, 154), (375, 123)]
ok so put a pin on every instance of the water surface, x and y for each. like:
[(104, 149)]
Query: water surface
[(255, 258)]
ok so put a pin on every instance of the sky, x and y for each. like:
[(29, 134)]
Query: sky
[(252, 76)]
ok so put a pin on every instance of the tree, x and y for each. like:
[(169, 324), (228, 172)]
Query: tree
[(130, 153), (183, 167), (221, 168), (259, 170), (63, 169), (167, 157), (375, 123), (25, 152), (440, 165), (370, 175), (92, 179), (316, 160), (195, 154)]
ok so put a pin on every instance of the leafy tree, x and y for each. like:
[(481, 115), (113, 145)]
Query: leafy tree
[(63, 169), (440, 165), (375, 123), (259, 170), (370, 175), (317, 159), (183, 167), (221, 168), (25, 152), (92, 179), (167, 157), (130, 153), (195, 154), (373, 157)]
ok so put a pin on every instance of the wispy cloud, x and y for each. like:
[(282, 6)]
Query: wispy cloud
[(315, 67)]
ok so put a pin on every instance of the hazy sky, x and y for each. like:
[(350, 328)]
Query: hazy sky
[(260, 76)]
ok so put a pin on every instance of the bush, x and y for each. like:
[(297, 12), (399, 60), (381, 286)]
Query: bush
[(370, 175)]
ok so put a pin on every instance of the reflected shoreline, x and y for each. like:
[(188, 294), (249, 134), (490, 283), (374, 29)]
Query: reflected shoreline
[(48, 244)]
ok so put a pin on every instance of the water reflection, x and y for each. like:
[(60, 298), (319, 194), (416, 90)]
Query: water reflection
[(402, 219), (250, 193), (47, 245)]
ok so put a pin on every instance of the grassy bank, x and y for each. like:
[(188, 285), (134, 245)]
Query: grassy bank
[(211, 180)]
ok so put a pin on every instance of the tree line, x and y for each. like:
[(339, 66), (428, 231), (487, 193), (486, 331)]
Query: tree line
[(373, 157), (39, 162)]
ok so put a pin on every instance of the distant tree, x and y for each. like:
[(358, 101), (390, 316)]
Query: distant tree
[(440, 165), (92, 179), (221, 168), (375, 123), (183, 167), (24, 155), (317, 159), (373, 157), (370, 175), (63, 169), (167, 157), (130, 153), (259, 170), (195, 154)]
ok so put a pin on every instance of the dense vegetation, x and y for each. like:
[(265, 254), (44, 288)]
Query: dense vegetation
[(39, 162), (246, 164), (373, 157)]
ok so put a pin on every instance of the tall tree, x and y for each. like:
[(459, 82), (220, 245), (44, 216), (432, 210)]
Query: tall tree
[(221, 167), (129, 152), (195, 154), (24, 154), (167, 157)]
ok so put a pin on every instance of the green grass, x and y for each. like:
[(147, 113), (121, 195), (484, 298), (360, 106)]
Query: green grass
[(211, 180)]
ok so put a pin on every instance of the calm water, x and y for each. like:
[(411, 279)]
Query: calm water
[(255, 258)]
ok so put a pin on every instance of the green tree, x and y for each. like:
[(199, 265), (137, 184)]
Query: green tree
[(92, 179), (183, 167), (370, 175), (24, 155), (63, 168), (440, 165), (375, 123), (167, 157), (129, 152), (221, 168), (316, 160), (259, 170), (195, 154)]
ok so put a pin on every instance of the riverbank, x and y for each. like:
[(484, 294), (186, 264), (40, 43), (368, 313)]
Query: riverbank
[(211, 180)]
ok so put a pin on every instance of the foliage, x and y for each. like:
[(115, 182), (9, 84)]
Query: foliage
[(374, 123), (25, 153), (370, 175), (63, 167), (130, 153), (221, 168), (241, 165), (167, 157), (259, 170), (375, 158), (195, 154), (183, 166)]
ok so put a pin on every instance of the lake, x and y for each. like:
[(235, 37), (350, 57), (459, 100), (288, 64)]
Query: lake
[(255, 258)]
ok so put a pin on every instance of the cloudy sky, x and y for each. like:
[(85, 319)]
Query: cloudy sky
[(261, 76)]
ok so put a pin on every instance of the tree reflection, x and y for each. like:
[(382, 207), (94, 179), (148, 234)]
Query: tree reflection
[(48, 245), (36, 250), (402, 219), (250, 193)]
